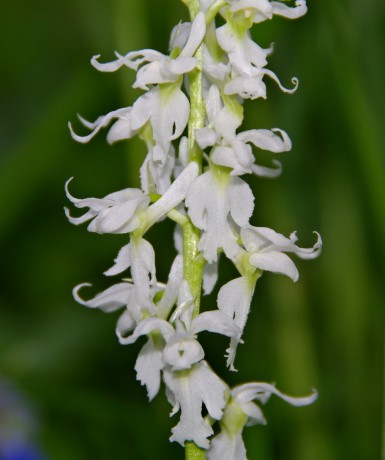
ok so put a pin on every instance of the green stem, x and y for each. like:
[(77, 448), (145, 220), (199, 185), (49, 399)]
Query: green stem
[(193, 262), (197, 105), (193, 452)]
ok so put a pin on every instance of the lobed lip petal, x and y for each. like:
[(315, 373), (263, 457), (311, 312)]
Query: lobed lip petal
[(189, 392)]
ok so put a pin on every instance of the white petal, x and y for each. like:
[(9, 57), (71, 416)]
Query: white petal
[(241, 201), (213, 103), (247, 87), (171, 291), (263, 171), (121, 130), (254, 413), (310, 253), (210, 277), (262, 391), (95, 204), (179, 35), (145, 327), (148, 366), (143, 270), (118, 219), (234, 299), (122, 261), (226, 447), (126, 322), (267, 139), (174, 195), (274, 77), (79, 220), (258, 238), (106, 66), (185, 308), (215, 321), (198, 30), (281, 9), (276, 262), (100, 123), (111, 299), (205, 137)]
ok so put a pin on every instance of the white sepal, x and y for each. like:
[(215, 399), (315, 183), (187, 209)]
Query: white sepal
[(210, 277), (215, 321), (171, 290), (109, 300), (148, 367), (280, 9), (174, 195), (225, 446), (267, 139), (234, 299)]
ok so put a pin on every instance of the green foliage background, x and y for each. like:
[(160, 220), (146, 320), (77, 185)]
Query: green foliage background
[(325, 332)]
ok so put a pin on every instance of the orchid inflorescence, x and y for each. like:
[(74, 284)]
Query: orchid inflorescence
[(195, 94)]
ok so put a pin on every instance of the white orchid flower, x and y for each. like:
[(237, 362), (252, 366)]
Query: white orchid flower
[(247, 61), (218, 203), (129, 296), (233, 150), (176, 352), (165, 108), (241, 411), (266, 250), (261, 10), (161, 68), (115, 213), (127, 210)]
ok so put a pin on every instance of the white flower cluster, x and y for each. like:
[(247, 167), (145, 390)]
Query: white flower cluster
[(212, 197)]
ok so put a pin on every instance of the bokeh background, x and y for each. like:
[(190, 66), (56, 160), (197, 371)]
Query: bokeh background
[(67, 388)]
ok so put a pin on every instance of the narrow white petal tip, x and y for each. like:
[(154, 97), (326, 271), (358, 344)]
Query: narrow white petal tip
[(76, 137), (94, 59), (75, 293), (295, 82)]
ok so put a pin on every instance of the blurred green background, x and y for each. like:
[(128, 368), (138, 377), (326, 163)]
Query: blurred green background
[(325, 332)]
